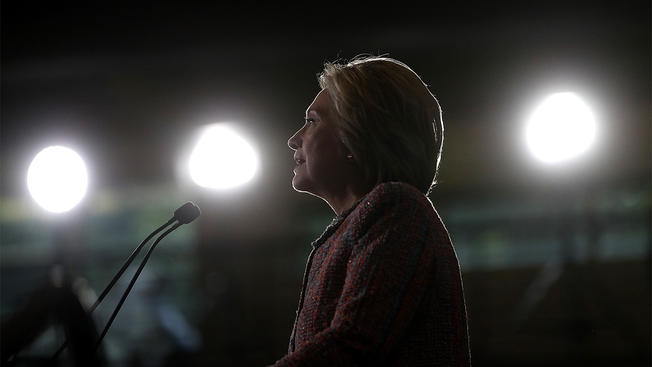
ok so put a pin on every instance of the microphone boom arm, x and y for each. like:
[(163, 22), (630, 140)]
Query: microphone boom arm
[(117, 276), (183, 215), (133, 281)]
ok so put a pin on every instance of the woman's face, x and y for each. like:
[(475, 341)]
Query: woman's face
[(319, 155)]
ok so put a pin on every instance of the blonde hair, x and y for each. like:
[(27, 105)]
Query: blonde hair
[(387, 118)]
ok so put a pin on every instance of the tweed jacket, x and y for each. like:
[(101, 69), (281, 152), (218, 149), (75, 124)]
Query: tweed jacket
[(382, 287)]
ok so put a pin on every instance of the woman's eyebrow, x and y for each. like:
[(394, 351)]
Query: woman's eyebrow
[(314, 110)]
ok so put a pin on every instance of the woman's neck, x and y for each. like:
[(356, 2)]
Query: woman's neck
[(345, 199)]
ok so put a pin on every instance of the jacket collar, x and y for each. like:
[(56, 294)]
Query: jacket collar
[(334, 225)]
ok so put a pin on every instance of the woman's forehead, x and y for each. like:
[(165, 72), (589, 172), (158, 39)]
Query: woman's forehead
[(321, 105)]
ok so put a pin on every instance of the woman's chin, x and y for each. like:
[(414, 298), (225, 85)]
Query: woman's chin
[(297, 186), (300, 185)]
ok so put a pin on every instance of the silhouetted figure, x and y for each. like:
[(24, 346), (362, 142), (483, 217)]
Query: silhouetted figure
[(48, 304), (382, 285)]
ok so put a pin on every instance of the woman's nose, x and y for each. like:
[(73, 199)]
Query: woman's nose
[(295, 141)]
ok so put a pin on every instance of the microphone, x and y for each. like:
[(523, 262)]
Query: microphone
[(185, 214)]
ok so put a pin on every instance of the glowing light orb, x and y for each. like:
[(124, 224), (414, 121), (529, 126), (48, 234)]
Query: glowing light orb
[(222, 159), (57, 179), (561, 128)]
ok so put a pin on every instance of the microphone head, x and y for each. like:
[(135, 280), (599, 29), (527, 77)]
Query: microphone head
[(187, 213)]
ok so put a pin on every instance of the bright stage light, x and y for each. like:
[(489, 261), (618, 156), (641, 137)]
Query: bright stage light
[(57, 179), (222, 159), (561, 128)]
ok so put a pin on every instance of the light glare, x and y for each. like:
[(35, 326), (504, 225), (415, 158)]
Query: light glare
[(57, 179), (222, 159), (562, 127)]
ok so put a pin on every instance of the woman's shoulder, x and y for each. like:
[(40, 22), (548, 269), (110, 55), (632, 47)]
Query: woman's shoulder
[(396, 194), (391, 207), (393, 199), (396, 189)]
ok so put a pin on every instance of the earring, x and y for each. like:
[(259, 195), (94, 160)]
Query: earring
[(349, 156)]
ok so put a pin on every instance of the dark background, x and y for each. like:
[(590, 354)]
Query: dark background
[(555, 259)]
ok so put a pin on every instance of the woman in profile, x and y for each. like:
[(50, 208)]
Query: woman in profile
[(382, 285)]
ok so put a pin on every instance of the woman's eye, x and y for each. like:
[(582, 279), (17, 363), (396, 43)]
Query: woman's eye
[(310, 121)]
